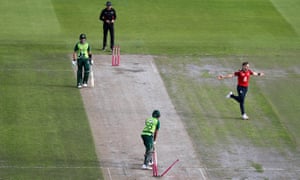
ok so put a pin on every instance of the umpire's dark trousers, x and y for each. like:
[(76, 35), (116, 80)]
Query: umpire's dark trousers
[(108, 27), (242, 91)]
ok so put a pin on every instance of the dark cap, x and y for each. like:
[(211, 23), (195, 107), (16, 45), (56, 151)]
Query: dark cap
[(82, 36), (156, 114), (108, 3)]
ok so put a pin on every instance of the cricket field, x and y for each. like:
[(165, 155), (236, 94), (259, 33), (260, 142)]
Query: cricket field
[(46, 127)]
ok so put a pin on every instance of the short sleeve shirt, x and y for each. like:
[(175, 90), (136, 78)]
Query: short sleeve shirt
[(151, 125), (158, 125), (243, 77)]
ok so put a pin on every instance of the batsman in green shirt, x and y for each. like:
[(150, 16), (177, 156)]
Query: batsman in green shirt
[(149, 135), (82, 56)]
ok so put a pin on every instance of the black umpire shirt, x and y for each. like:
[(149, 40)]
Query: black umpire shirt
[(108, 14)]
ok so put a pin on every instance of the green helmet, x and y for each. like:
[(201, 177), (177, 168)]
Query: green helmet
[(156, 114), (82, 36)]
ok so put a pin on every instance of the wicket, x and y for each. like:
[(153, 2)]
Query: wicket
[(115, 60), (155, 168)]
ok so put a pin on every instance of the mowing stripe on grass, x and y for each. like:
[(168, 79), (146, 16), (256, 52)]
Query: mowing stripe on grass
[(290, 11), (42, 118), (28, 19)]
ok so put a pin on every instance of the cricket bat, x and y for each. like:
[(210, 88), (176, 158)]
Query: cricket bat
[(92, 77), (154, 166)]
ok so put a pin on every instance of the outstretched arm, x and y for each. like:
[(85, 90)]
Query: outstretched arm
[(220, 77), (258, 73)]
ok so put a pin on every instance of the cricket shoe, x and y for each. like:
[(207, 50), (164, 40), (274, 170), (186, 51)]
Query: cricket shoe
[(245, 117), (145, 167), (229, 94), (85, 85), (150, 163), (79, 86)]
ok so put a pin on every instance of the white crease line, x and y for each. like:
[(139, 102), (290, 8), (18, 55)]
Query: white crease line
[(109, 174), (202, 174), (154, 67), (95, 167)]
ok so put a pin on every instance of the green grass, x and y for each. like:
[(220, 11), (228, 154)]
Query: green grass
[(214, 27), (257, 167), (44, 129)]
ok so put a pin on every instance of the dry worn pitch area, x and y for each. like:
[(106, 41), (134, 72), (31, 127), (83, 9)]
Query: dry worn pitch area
[(123, 97)]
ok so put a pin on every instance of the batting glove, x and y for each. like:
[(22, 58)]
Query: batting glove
[(154, 142), (91, 61), (74, 62)]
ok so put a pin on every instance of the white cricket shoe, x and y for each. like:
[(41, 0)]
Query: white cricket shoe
[(146, 167), (245, 117), (229, 94), (85, 85), (79, 86)]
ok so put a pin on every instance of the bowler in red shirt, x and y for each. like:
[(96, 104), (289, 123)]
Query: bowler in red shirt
[(243, 77)]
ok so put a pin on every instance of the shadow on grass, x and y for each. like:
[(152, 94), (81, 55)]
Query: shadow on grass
[(224, 117), (60, 86)]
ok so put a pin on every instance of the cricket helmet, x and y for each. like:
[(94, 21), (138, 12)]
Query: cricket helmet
[(156, 114), (82, 36)]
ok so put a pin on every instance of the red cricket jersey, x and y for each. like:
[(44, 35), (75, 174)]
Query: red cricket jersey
[(243, 77)]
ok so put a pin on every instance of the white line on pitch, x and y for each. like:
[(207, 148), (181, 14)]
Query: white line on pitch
[(154, 67), (202, 174), (109, 174)]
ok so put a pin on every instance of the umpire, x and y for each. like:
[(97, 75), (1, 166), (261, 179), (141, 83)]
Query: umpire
[(108, 16)]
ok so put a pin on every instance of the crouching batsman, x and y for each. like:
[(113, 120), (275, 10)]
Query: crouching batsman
[(149, 135)]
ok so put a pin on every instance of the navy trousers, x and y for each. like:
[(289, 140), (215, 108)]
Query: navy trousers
[(242, 91)]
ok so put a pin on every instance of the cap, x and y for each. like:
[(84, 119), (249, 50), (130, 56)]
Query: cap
[(108, 3), (82, 36)]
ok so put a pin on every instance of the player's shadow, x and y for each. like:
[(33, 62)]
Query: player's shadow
[(223, 117), (60, 86)]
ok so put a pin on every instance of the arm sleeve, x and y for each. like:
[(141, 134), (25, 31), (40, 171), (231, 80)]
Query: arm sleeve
[(115, 13), (236, 73), (101, 15), (76, 47), (158, 125), (251, 72), (89, 48)]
